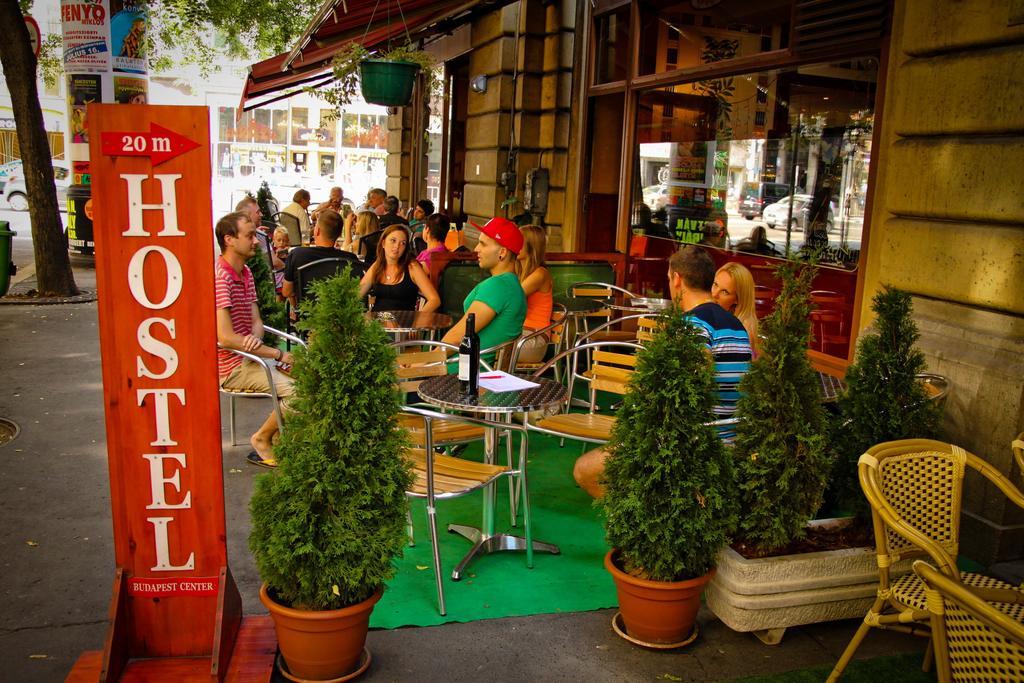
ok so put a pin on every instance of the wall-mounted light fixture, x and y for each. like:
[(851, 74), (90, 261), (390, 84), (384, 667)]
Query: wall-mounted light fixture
[(478, 83)]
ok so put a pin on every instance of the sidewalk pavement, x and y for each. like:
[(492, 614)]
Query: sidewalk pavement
[(58, 561)]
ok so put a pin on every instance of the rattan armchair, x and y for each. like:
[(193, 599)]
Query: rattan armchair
[(974, 640), (915, 489)]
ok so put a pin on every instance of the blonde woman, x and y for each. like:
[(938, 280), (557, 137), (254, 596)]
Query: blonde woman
[(536, 283), (734, 291), (357, 228)]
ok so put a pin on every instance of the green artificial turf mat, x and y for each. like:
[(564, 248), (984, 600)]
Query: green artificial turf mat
[(500, 585)]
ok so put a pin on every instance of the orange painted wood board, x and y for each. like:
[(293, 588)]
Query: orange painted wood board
[(154, 269)]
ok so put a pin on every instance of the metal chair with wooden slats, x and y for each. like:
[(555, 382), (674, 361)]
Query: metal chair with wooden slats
[(414, 366), (915, 489), (974, 640), (580, 369), (438, 477), (611, 372), (554, 332), (602, 290), (267, 366), (646, 328)]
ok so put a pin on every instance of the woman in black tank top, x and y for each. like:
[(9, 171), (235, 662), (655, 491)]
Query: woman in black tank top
[(396, 280)]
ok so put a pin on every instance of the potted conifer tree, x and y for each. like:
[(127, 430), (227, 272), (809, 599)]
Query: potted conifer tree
[(327, 523), (885, 396), (668, 488)]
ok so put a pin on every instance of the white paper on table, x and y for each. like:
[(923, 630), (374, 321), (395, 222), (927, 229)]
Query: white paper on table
[(502, 381)]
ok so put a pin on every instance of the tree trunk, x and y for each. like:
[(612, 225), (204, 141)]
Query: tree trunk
[(53, 265)]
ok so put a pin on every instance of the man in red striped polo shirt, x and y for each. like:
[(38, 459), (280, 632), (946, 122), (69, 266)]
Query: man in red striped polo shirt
[(239, 326)]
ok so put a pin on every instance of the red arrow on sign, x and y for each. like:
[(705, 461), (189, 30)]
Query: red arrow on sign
[(159, 144)]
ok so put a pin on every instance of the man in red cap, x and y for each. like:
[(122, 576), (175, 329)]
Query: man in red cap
[(498, 302)]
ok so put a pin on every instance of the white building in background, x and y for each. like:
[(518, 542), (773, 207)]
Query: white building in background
[(296, 142)]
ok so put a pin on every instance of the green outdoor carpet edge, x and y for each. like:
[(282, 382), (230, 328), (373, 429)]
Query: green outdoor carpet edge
[(500, 585)]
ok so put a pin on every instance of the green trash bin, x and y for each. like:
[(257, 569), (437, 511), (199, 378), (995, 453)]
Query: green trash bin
[(7, 267)]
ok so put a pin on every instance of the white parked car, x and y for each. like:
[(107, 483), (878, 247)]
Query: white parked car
[(656, 196), (16, 196), (775, 214)]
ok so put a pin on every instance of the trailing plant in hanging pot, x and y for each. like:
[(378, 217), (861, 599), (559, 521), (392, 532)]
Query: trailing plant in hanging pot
[(669, 485), (386, 78), (328, 523)]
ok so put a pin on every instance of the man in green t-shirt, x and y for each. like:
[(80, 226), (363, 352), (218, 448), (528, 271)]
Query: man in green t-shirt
[(498, 302)]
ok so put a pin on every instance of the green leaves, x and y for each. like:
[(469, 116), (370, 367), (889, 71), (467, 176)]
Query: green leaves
[(780, 451), (329, 521), (668, 479), (884, 401)]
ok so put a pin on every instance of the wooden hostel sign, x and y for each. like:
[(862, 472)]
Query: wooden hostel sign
[(173, 592)]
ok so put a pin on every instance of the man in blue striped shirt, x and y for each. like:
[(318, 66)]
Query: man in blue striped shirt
[(691, 273)]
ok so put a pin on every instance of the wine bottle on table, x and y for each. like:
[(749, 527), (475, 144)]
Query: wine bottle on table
[(469, 358)]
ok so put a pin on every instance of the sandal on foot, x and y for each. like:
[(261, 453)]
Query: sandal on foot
[(254, 459)]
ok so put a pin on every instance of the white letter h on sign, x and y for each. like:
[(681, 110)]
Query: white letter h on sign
[(136, 207)]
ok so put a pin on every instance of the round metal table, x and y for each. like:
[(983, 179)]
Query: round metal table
[(577, 305), (445, 391), (411, 321), (637, 304)]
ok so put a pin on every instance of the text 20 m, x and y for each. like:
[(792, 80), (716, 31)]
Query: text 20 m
[(144, 143)]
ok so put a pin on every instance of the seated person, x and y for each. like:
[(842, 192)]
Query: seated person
[(715, 235), (691, 278), (498, 303), (537, 286), (417, 217), (734, 291), (390, 216), (434, 231), (297, 209), (362, 232), (757, 242), (325, 234), (239, 326), (643, 220), (395, 280), (333, 203), (280, 255)]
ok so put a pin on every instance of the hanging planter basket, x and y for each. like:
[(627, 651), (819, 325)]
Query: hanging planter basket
[(386, 82)]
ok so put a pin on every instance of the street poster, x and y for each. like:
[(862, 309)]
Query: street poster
[(83, 90), (84, 24), (128, 35), (128, 90)]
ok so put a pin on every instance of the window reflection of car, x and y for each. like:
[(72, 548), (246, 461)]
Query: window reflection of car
[(15, 193), (776, 214), (656, 196)]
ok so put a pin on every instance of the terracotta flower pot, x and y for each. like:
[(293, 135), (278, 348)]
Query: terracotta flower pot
[(321, 645), (657, 612)]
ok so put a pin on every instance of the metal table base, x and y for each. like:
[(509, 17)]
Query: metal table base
[(485, 545)]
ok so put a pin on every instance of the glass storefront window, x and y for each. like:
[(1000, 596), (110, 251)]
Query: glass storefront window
[(300, 125), (611, 31), (226, 124), (350, 130), (762, 162), (328, 126), (279, 122), (435, 137), (261, 128), (678, 35)]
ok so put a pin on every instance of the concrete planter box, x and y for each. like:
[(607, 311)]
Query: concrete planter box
[(767, 595)]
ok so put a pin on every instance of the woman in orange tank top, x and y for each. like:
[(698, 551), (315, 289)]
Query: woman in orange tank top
[(536, 282)]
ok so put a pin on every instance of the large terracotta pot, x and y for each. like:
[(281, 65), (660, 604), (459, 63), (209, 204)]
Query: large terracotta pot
[(321, 645), (657, 612)]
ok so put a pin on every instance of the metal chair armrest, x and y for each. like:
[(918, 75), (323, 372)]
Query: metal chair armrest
[(605, 285), (265, 362), (521, 341), (285, 335)]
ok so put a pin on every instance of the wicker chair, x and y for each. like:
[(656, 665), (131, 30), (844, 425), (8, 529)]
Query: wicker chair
[(973, 639), (915, 488)]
